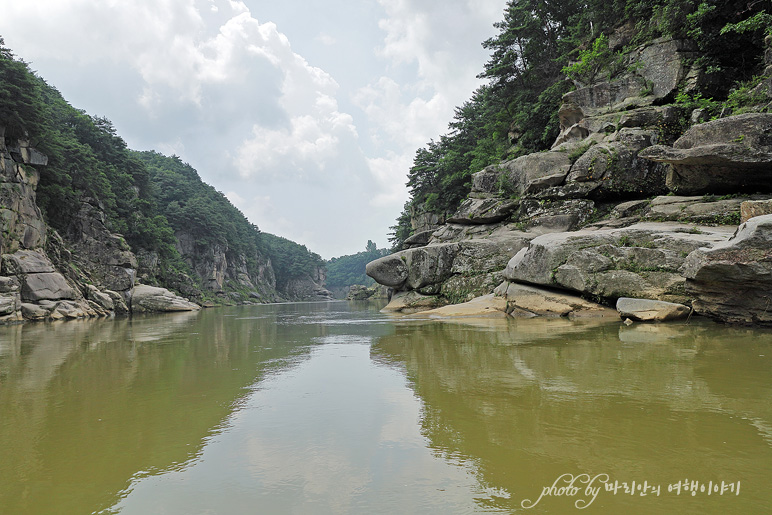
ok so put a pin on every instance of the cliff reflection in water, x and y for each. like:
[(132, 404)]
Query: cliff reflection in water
[(85, 406), (528, 401)]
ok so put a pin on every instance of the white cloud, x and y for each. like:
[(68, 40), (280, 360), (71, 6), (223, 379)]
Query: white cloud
[(389, 174), (220, 84)]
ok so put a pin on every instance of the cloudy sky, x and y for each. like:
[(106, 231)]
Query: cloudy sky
[(306, 115)]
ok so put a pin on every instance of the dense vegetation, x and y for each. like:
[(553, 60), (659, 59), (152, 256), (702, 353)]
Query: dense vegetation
[(539, 43), (147, 197), (290, 260), (345, 271)]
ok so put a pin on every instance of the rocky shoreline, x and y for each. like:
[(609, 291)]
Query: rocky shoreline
[(617, 214), (91, 271)]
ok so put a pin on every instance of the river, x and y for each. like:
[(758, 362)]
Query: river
[(317, 408)]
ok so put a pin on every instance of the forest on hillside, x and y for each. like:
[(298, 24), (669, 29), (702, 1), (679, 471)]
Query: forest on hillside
[(545, 49), (147, 197)]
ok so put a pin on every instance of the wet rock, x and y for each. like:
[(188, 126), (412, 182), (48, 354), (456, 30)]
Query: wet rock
[(646, 310)]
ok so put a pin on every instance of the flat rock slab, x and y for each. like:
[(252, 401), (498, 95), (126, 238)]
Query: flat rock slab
[(525, 300), (726, 155), (642, 260), (152, 299), (484, 306), (645, 310), (26, 262), (411, 302)]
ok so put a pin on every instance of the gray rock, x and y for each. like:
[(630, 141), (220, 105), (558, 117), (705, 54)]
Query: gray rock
[(9, 303), (646, 310), (732, 281), (46, 286), (419, 239), (612, 170), (119, 303), (34, 311), (541, 302), (9, 285), (642, 260), (103, 300), (389, 270), (420, 268), (153, 299), (26, 262), (412, 302), (543, 216), (483, 211), (532, 173), (726, 155)]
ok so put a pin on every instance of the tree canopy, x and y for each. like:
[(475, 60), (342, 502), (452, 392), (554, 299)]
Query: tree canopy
[(537, 43)]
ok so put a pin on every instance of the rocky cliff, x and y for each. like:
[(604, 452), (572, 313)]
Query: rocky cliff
[(44, 278), (624, 205), (89, 271)]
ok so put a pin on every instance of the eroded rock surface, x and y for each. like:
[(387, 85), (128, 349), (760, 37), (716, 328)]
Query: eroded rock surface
[(732, 280)]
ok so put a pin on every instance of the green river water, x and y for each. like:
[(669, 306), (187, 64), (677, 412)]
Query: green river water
[(316, 408)]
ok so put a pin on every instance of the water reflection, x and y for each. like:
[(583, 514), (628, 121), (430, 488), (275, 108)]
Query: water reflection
[(540, 398), (335, 408), (85, 406)]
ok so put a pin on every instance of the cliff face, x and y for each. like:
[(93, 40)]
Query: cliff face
[(89, 271), (44, 278), (623, 205), (220, 269)]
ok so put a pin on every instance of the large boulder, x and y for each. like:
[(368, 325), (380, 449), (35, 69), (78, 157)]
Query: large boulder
[(732, 280), (389, 270), (429, 266), (612, 170), (146, 299), (46, 286), (524, 175), (642, 260), (722, 156)]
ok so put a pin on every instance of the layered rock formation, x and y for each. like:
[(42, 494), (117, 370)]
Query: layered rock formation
[(616, 209), (95, 275)]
